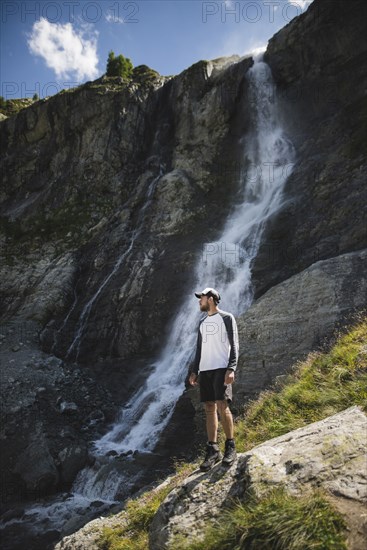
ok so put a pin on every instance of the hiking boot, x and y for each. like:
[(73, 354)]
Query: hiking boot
[(229, 453), (213, 455)]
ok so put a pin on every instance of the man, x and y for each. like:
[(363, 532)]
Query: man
[(216, 359)]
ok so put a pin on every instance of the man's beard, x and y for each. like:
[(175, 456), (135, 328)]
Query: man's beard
[(204, 308)]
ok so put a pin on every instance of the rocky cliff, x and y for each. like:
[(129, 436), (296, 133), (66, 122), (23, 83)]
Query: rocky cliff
[(317, 241), (109, 193), (109, 176), (318, 63)]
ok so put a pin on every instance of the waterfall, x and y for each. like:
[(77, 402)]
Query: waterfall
[(225, 264)]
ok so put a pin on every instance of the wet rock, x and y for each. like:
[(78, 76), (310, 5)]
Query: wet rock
[(95, 417), (16, 513), (68, 432), (144, 459), (51, 536), (97, 503), (72, 459), (35, 432), (112, 453), (67, 408)]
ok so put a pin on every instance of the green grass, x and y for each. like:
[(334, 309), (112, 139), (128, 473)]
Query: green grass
[(276, 522), (324, 384), (132, 533), (11, 107)]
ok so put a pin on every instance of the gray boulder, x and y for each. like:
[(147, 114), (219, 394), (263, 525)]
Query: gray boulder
[(295, 317), (330, 454), (36, 467)]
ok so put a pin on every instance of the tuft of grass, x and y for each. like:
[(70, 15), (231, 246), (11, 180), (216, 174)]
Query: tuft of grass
[(323, 385), (132, 534), (277, 521)]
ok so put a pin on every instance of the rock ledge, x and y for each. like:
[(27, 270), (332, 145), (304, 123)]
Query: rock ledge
[(330, 454)]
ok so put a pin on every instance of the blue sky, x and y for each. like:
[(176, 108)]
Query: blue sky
[(50, 45)]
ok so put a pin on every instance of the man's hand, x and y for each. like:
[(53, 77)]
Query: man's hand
[(193, 379), (229, 377)]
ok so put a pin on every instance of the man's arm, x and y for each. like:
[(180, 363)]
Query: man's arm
[(231, 326), (194, 367)]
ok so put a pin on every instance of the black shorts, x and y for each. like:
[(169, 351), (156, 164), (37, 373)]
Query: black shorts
[(212, 386)]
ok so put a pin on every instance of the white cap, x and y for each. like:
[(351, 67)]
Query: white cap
[(207, 291)]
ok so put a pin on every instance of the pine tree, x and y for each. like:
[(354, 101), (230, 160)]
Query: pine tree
[(110, 64), (118, 66)]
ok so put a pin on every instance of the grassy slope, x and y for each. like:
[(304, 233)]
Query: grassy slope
[(324, 384)]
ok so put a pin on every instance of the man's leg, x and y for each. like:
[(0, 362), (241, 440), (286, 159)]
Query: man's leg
[(226, 418), (227, 423), (211, 421), (213, 454)]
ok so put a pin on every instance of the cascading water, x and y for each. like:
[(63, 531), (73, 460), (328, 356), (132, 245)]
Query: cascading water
[(226, 265)]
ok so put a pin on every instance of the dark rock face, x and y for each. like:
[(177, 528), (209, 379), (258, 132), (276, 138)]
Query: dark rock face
[(130, 180), (319, 65), (297, 316), (109, 193)]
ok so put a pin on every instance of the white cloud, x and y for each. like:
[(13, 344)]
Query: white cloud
[(112, 18), (69, 52)]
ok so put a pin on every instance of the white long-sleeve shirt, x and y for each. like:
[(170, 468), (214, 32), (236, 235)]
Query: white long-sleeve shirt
[(217, 343)]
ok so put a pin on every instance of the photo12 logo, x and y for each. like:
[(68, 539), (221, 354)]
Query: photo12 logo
[(228, 254), (252, 11), (16, 90), (55, 12)]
